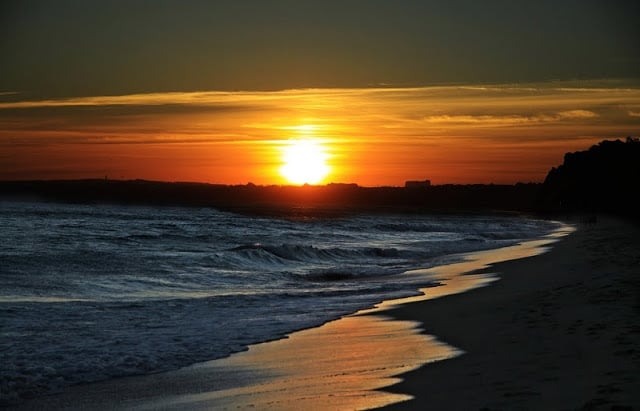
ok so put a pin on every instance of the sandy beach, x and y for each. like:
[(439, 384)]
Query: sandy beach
[(319, 205), (559, 330)]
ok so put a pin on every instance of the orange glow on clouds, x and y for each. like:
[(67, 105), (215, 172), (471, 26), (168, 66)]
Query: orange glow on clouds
[(370, 136)]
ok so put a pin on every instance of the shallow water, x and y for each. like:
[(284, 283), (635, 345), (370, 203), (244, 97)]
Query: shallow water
[(93, 292)]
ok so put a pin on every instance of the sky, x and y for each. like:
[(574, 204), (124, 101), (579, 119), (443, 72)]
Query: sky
[(459, 91)]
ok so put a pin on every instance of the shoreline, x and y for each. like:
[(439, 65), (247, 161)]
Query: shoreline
[(321, 373), (559, 331)]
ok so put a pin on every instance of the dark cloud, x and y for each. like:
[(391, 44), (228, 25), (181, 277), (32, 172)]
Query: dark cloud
[(69, 47)]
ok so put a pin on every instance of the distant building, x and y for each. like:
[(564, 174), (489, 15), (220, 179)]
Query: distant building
[(342, 185), (417, 184)]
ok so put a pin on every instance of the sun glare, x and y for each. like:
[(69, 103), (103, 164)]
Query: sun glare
[(304, 162)]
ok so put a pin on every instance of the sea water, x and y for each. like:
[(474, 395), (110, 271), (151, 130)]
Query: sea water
[(92, 292)]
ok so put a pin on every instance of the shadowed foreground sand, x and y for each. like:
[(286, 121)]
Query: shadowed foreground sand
[(558, 331)]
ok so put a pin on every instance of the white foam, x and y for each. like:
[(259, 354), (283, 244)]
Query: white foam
[(90, 293)]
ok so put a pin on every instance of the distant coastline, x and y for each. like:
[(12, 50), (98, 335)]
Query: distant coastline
[(327, 199), (602, 179)]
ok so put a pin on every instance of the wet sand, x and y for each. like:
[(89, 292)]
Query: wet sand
[(558, 331)]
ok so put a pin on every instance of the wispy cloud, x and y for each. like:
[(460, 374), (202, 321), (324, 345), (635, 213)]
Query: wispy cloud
[(404, 128), (346, 114), (322, 97), (149, 99), (492, 120), (576, 114)]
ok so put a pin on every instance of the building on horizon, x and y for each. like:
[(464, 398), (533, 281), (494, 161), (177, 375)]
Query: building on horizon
[(417, 184)]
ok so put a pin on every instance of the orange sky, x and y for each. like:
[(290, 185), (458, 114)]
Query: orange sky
[(371, 136)]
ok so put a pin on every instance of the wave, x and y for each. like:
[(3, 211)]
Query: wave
[(348, 273), (309, 253), (165, 236), (197, 284)]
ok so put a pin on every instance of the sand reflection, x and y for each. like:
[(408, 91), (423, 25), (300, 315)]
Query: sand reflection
[(337, 366), (345, 364)]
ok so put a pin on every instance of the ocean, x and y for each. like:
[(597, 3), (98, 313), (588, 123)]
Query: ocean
[(93, 292)]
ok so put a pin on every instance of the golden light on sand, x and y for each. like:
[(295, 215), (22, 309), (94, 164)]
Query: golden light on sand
[(304, 162)]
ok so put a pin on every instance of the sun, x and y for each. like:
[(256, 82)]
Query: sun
[(305, 162)]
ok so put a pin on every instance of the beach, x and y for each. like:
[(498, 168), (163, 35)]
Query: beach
[(319, 205), (558, 330)]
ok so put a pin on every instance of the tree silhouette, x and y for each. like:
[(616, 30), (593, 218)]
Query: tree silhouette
[(603, 178)]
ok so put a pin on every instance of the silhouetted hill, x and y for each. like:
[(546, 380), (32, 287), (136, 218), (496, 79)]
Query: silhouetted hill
[(604, 178)]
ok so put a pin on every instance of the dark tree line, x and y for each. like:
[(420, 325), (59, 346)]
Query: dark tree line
[(604, 178)]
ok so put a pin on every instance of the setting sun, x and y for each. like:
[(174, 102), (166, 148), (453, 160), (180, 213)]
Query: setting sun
[(304, 162)]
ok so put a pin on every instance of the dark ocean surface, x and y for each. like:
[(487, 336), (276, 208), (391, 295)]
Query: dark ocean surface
[(96, 292)]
